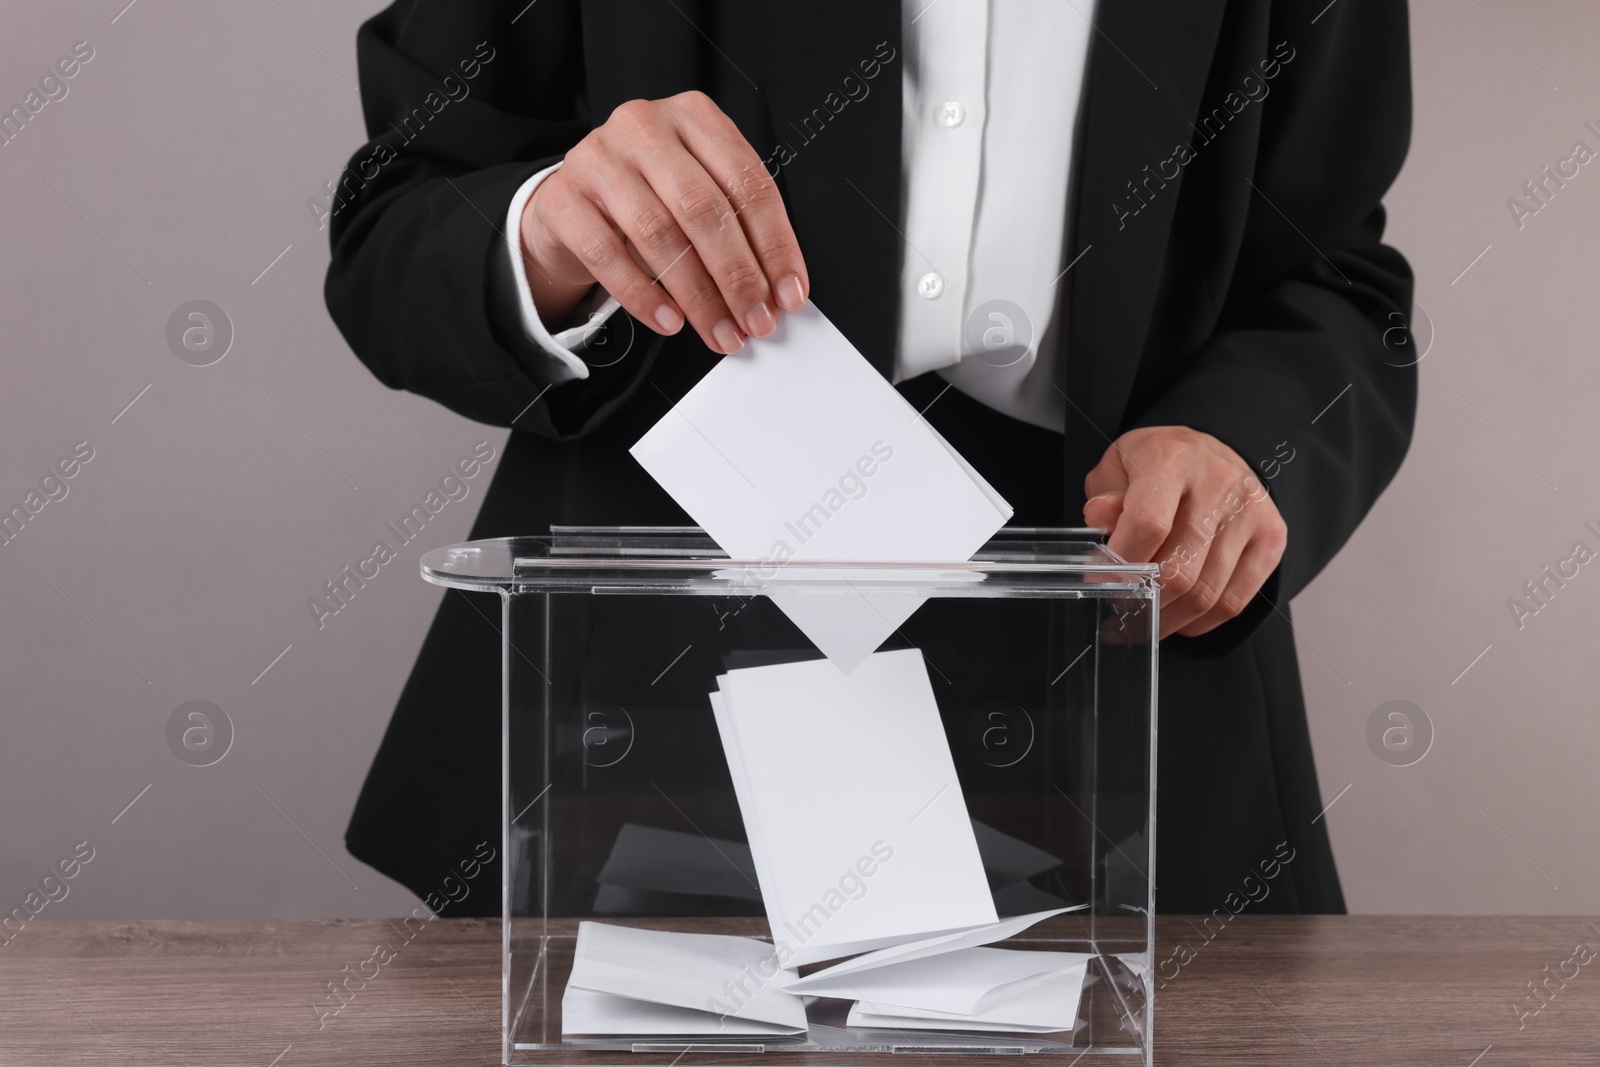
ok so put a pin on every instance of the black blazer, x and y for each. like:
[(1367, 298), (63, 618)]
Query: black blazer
[(1232, 156)]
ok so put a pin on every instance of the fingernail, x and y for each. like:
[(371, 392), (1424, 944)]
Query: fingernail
[(790, 293), (668, 319), (727, 336), (758, 321)]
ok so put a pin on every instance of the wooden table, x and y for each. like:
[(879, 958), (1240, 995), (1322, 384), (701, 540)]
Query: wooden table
[(1270, 990)]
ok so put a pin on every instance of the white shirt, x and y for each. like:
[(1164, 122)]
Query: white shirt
[(990, 92)]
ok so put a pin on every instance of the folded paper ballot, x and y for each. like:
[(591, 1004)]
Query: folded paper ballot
[(798, 449), (954, 982), (603, 1015), (851, 805), (912, 952), (627, 981), (1046, 1007), (965, 981)]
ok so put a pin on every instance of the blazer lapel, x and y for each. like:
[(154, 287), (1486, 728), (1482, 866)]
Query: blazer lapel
[(831, 77), (1148, 68)]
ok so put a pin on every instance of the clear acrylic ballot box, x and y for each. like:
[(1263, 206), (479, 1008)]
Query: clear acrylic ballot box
[(623, 801)]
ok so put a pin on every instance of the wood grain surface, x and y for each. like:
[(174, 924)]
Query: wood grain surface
[(1279, 990)]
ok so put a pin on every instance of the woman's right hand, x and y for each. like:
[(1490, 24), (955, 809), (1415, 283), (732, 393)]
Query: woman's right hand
[(668, 208)]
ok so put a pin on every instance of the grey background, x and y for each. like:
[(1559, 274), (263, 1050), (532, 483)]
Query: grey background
[(185, 551)]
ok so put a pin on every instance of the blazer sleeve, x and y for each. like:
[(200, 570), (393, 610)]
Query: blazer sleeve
[(463, 103), (1309, 358)]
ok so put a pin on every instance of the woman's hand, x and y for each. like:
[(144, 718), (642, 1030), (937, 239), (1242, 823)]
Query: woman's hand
[(1182, 498), (669, 209)]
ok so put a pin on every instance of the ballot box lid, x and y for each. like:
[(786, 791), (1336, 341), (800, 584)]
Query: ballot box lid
[(1017, 561)]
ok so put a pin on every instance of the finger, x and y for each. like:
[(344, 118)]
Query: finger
[(580, 226), (666, 252), (707, 219), (1204, 572), (1255, 565), (719, 146), (1146, 520), (1109, 475)]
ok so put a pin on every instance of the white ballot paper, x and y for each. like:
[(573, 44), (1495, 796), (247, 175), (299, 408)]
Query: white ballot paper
[(1046, 1007), (910, 953), (629, 981), (857, 824), (797, 449), (963, 982), (955, 982)]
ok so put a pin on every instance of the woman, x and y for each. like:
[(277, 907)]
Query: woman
[(1179, 205)]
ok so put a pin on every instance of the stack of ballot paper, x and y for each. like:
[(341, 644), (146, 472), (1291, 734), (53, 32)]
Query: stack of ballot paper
[(797, 449), (631, 982), (860, 842)]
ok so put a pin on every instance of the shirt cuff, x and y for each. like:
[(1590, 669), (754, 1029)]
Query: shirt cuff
[(550, 357)]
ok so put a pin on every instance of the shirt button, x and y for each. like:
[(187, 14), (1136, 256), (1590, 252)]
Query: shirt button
[(951, 113), (930, 285)]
